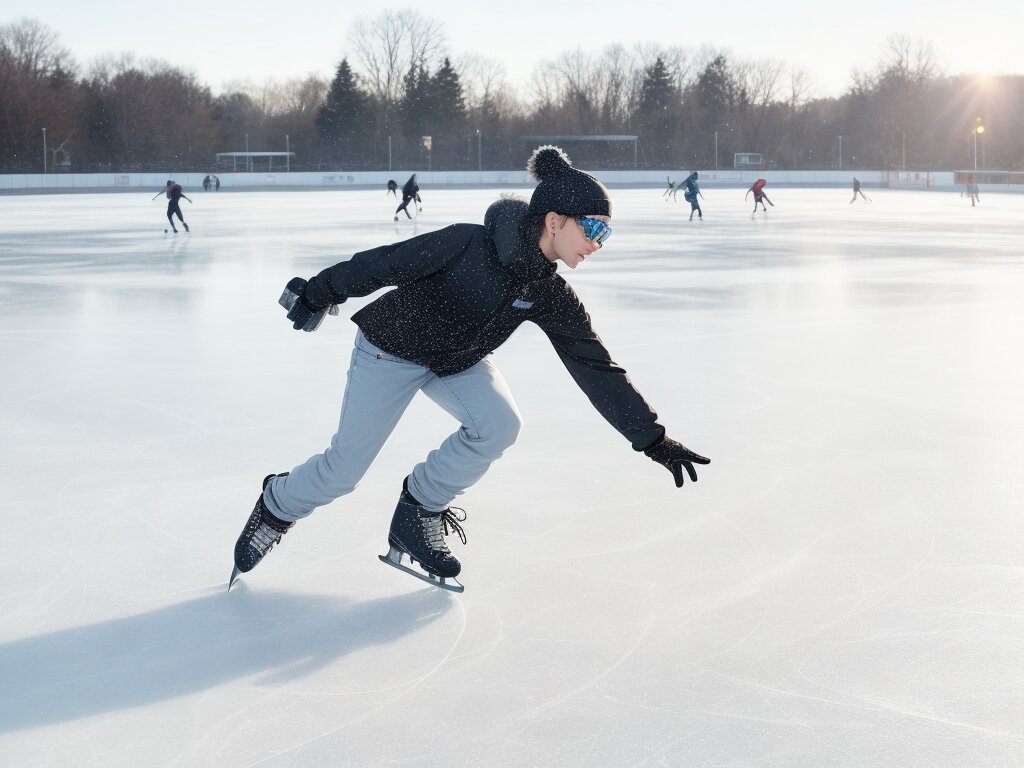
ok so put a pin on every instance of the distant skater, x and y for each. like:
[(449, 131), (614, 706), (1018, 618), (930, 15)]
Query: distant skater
[(691, 195), (856, 191), (174, 194), (671, 191), (393, 187), (759, 194), (972, 191), (410, 192)]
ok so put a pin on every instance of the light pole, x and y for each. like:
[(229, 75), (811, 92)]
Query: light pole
[(840, 153), (287, 155), (979, 127), (248, 160), (479, 161), (389, 153), (903, 149), (44, 151)]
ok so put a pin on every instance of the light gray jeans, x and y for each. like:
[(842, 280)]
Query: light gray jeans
[(379, 389)]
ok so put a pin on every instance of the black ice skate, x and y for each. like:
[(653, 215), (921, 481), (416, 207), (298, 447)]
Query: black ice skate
[(419, 534), (262, 531), (185, 226)]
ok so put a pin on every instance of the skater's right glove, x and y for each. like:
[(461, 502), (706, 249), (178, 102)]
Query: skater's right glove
[(303, 314), (674, 457)]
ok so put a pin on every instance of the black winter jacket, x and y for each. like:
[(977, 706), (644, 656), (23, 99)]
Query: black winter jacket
[(462, 291)]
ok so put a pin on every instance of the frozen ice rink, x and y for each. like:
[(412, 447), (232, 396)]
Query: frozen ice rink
[(844, 586)]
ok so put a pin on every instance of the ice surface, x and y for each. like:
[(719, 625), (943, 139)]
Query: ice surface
[(843, 586)]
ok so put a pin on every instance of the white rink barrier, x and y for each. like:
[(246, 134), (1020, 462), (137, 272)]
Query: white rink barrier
[(193, 182)]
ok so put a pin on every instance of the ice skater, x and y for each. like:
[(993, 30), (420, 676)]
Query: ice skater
[(410, 192), (671, 191), (972, 191), (691, 195), (393, 187), (857, 191), (174, 194), (759, 195), (461, 292)]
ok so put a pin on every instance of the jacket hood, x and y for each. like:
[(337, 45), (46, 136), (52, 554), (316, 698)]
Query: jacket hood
[(504, 223)]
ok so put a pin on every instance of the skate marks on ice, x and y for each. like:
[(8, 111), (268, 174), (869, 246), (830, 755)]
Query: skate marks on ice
[(199, 644)]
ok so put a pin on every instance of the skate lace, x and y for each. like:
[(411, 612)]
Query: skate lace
[(264, 538), (438, 528)]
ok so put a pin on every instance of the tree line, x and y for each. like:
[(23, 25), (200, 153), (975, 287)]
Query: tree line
[(398, 99)]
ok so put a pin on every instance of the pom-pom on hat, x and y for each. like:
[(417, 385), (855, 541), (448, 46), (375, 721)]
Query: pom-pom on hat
[(564, 189)]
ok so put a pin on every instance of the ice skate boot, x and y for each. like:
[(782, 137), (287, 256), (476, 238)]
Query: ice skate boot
[(418, 534), (185, 226), (262, 531)]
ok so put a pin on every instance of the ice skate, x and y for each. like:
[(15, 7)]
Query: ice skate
[(418, 533), (185, 226), (262, 531)]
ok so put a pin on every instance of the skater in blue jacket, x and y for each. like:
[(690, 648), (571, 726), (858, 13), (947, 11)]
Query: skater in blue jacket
[(691, 195)]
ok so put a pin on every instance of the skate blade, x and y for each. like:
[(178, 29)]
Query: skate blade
[(394, 559), (235, 573)]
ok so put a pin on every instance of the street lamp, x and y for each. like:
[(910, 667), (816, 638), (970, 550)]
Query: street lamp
[(287, 155), (716, 150), (840, 153), (479, 162), (44, 150), (979, 127), (389, 153)]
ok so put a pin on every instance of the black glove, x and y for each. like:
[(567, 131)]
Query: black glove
[(674, 456), (304, 315)]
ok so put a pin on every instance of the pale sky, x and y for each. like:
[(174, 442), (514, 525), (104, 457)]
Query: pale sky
[(234, 39)]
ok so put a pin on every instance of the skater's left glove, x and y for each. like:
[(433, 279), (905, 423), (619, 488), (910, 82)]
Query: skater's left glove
[(674, 456), (304, 315)]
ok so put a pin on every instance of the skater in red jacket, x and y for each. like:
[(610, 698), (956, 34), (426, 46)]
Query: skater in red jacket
[(759, 195)]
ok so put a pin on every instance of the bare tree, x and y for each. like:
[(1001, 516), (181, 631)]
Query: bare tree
[(591, 90), (483, 80), (798, 88), (388, 45), (37, 91), (912, 59), (304, 96), (761, 80)]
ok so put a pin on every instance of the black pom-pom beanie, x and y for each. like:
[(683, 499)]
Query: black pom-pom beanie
[(564, 189)]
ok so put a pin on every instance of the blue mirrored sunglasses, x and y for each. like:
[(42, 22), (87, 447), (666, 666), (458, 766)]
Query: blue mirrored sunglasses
[(594, 229)]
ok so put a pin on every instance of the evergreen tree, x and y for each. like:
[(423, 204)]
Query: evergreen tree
[(412, 114), (717, 96), (446, 116), (657, 111), (343, 122)]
